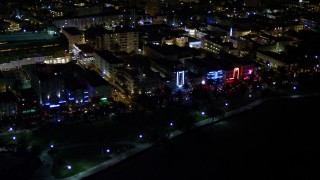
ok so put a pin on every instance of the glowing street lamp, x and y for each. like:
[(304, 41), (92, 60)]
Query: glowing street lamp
[(69, 167), (140, 136)]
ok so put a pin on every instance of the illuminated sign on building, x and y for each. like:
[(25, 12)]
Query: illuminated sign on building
[(236, 73), (180, 78), (214, 75)]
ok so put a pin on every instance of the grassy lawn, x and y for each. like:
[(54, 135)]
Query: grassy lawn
[(70, 134), (118, 148), (26, 135), (80, 158), (198, 116), (83, 157)]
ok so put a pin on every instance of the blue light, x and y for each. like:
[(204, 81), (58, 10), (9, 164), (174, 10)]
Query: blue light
[(54, 105)]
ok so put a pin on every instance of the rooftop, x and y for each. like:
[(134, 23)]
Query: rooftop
[(72, 31), (109, 57), (85, 48)]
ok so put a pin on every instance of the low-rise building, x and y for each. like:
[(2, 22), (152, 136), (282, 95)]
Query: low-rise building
[(135, 80), (107, 64), (271, 59), (61, 84), (74, 36), (173, 73)]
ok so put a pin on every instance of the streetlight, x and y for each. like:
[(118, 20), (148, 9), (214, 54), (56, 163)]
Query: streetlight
[(69, 167), (140, 136), (171, 124)]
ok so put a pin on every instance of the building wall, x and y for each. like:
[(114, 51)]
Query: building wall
[(84, 10), (84, 23), (269, 61), (182, 41), (211, 46), (74, 39), (33, 60), (103, 67), (28, 36), (106, 70), (127, 42), (8, 109)]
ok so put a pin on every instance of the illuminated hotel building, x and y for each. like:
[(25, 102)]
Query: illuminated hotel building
[(56, 85), (173, 73)]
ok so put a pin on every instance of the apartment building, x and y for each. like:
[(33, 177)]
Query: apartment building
[(116, 40)]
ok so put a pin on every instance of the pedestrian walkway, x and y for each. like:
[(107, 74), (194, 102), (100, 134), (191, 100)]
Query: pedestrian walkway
[(44, 172)]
